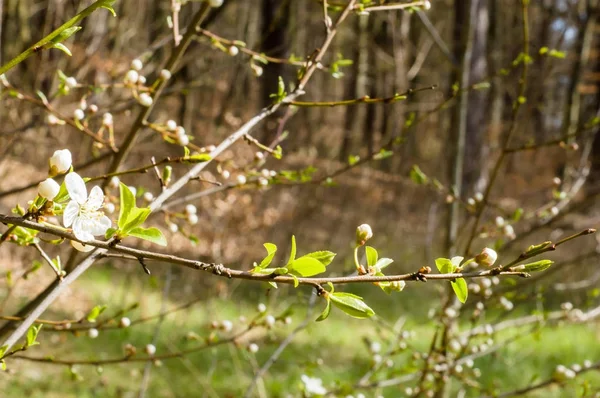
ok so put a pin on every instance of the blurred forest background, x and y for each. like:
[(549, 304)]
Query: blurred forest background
[(461, 59)]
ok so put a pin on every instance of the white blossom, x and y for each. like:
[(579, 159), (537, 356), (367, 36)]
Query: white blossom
[(71, 82), (192, 219), (125, 322), (363, 234), (148, 196), (107, 119), (270, 320), (313, 385), (261, 308), (215, 3), (142, 79), (253, 348), (190, 209), (93, 333), (78, 114), (233, 51), (171, 125), (499, 222), (241, 179), (60, 162), (48, 189), (82, 212), (227, 325)]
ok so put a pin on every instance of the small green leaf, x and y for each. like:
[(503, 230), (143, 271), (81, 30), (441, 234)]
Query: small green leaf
[(352, 305), (198, 158), (95, 313), (110, 232), (296, 282), (383, 262), (306, 266), (273, 284), (325, 312), (126, 206), (372, 255), (63, 48), (460, 289), (2, 365), (107, 6), (534, 248), (293, 250), (444, 265), (537, 266), (271, 250), (418, 176), (324, 256), (31, 336), (135, 218), (281, 271), (3, 350), (151, 234), (65, 34)]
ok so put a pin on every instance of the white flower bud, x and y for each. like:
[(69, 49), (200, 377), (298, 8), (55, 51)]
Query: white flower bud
[(227, 325), (192, 219), (125, 322), (258, 70), (148, 197), (82, 247), (190, 209), (471, 202), (211, 148), (107, 119), (93, 333), (427, 5), (225, 174), (478, 196), (567, 306), (270, 321), (137, 65), (145, 99), (215, 3), (287, 320), (109, 207), (375, 347), (265, 173), (114, 182), (363, 234), (93, 108), (450, 312), (556, 181), (262, 308), (253, 348), (487, 257), (454, 345), (259, 156), (506, 303), (554, 211), (60, 162), (263, 181), (165, 74), (142, 79), (150, 349), (509, 231), (71, 82), (173, 228), (131, 77), (171, 125), (78, 114), (233, 51), (183, 140), (53, 120), (48, 189), (241, 179)]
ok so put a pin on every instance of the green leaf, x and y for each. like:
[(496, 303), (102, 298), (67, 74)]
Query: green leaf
[(538, 266), (63, 194), (296, 282), (95, 313), (418, 176), (107, 6), (126, 206), (110, 232), (273, 284), (324, 256), (352, 305), (444, 265), (3, 350), (372, 255), (198, 158), (31, 336), (383, 262), (293, 250), (325, 312), (306, 266), (63, 48), (460, 289), (65, 34), (135, 218), (271, 250), (151, 234), (2, 365)]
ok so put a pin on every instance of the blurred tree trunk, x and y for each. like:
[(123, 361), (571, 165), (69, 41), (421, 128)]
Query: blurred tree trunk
[(275, 43), (357, 85)]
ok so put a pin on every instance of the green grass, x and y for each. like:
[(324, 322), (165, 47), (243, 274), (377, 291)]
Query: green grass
[(334, 350)]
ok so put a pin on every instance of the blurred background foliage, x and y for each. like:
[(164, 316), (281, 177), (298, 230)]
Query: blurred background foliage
[(471, 44)]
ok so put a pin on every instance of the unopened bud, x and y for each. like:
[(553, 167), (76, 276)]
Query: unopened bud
[(363, 234), (487, 257), (48, 189)]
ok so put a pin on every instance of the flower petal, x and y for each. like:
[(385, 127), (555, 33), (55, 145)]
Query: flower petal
[(81, 229), (70, 213), (98, 226), (96, 198), (76, 187)]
